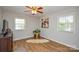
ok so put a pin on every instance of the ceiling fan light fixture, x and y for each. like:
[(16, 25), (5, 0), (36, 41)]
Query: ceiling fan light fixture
[(35, 9), (34, 12)]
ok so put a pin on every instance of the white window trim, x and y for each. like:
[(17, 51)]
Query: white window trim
[(72, 14), (24, 24)]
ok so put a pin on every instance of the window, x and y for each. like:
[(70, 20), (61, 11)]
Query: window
[(19, 24), (65, 23)]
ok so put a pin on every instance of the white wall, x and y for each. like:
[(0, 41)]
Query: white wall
[(0, 19), (31, 24), (67, 38), (77, 27)]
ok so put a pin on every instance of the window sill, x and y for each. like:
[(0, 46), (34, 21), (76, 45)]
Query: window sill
[(66, 31)]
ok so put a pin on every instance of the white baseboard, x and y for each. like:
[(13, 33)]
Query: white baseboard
[(72, 46), (21, 38)]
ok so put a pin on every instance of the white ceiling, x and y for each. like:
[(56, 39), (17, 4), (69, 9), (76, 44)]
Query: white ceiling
[(46, 10)]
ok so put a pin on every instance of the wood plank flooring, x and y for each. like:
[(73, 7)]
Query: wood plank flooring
[(23, 46)]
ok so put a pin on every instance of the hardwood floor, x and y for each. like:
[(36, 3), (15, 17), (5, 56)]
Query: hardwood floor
[(23, 46)]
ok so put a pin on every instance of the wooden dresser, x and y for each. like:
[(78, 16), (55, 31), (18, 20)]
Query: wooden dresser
[(6, 43)]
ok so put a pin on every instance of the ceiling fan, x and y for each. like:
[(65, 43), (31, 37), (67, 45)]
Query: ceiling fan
[(34, 9)]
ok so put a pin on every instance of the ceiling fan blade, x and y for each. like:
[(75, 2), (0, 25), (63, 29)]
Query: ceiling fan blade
[(39, 11), (40, 8), (28, 7)]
